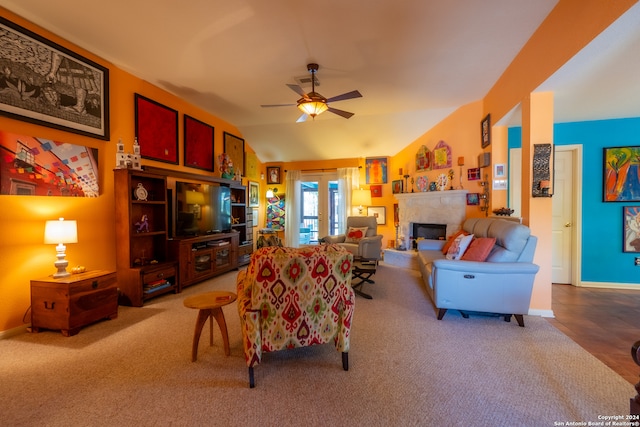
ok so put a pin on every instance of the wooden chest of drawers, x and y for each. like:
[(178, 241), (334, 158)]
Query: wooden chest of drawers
[(72, 302)]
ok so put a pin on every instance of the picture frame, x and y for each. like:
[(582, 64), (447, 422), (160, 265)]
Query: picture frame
[(631, 229), (473, 174), (619, 165), (234, 147), (473, 199), (254, 194), (499, 170), (396, 214), (376, 190), (273, 174), (254, 217), (499, 184), (49, 95), (376, 170), (485, 131), (198, 144), (379, 212), (441, 155), (397, 186), (156, 129), (35, 166)]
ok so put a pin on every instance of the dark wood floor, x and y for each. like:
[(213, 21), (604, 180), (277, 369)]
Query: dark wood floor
[(605, 322)]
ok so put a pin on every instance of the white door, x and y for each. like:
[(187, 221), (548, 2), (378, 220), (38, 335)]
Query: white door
[(319, 205), (563, 222)]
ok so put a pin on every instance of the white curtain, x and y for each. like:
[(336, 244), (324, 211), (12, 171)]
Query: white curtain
[(348, 179), (292, 209)]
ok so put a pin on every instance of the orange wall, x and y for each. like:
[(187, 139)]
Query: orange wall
[(24, 255)]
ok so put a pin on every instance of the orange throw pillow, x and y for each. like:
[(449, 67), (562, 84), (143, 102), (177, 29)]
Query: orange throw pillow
[(479, 249), (447, 245)]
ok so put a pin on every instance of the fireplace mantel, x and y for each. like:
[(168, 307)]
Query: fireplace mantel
[(436, 207)]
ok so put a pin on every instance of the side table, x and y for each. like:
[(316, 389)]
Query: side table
[(69, 303), (362, 270), (210, 306)]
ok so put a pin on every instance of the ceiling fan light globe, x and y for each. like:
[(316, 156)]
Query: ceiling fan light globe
[(313, 108)]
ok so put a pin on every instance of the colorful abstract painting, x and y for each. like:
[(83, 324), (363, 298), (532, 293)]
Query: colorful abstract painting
[(621, 174)]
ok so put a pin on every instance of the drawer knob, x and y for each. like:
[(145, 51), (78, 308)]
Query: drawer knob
[(160, 275), (94, 285), (46, 305)]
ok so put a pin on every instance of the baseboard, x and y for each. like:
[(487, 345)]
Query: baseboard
[(13, 332), (609, 285), (541, 313)]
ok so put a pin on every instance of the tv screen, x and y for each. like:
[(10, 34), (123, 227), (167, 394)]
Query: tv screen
[(201, 209)]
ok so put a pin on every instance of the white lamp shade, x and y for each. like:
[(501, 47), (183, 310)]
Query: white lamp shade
[(60, 231), (361, 197), (195, 198)]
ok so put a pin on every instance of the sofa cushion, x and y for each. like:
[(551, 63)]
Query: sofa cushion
[(459, 246), (479, 249), (447, 245), (355, 234), (511, 237)]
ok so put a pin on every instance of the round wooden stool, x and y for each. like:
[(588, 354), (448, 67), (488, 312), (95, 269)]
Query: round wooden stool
[(210, 305)]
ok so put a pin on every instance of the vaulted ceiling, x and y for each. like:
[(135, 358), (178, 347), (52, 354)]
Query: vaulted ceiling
[(414, 61)]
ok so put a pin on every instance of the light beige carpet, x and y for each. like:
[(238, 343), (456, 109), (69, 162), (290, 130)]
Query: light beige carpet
[(406, 368)]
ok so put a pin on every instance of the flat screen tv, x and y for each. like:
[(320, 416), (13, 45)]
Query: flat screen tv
[(201, 209)]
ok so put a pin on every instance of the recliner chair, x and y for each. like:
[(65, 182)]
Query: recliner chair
[(367, 245)]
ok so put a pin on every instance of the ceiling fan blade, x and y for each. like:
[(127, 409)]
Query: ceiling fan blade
[(278, 105), (302, 118), (342, 113), (297, 89), (348, 95)]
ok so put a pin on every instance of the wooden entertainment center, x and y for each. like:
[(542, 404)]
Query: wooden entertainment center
[(151, 259)]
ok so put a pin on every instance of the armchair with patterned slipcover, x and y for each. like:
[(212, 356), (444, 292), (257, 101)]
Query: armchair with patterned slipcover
[(361, 238), (295, 297)]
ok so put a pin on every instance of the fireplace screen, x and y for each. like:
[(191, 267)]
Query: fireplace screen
[(428, 231)]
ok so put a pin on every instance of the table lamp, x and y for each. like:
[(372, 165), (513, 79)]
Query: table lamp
[(58, 232), (361, 198)]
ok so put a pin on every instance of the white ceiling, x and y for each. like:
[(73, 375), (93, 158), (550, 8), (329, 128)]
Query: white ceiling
[(414, 61)]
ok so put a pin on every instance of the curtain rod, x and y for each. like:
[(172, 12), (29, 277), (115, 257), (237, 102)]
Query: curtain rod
[(319, 170)]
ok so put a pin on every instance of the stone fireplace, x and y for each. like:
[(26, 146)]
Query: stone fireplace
[(431, 207)]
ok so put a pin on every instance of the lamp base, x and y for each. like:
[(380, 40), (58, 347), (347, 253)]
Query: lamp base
[(61, 263)]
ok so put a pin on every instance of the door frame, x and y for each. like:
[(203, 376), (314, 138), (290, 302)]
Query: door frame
[(576, 203)]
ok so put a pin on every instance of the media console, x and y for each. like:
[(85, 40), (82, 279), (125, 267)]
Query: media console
[(203, 257)]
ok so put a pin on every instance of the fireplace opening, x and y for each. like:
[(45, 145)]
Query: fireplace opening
[(428, 231)]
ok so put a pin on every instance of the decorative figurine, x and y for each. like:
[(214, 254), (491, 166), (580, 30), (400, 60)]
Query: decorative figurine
[(226, 166), (143, 224)]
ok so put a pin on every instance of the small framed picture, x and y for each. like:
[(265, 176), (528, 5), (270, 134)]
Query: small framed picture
[(499, 170), (473, 199), (273, 174), (376, 190), (379, 212), (485, 130), (473, 174), (254, 194), (396, 186)]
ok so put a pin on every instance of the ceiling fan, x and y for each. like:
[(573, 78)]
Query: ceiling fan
[(312, 103)]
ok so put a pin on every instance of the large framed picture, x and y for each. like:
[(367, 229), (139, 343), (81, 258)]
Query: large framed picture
[(156, 130), (50, 85), (621, 171), (631, 224), (198, 144), (234, 147)]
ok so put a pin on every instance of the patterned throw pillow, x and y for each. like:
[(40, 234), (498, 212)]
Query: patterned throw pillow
[(355, 234), (459, 245), (447, 245)]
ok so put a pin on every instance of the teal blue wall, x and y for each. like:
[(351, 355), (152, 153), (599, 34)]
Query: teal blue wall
[(603, 259)]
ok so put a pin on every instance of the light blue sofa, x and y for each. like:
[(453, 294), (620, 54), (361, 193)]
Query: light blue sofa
[(502, 284)]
